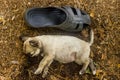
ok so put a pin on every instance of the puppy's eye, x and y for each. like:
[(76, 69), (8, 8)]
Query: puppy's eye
[(33, 43)]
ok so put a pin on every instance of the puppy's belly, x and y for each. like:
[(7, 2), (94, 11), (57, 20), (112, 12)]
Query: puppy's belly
[(65, 58)]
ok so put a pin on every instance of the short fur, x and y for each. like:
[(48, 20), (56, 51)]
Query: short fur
[(64, 49)]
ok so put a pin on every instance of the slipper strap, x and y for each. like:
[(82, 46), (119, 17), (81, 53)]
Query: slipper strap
[(74, 17)]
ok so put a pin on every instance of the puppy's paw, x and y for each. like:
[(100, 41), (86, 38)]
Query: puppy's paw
[(45, 72), (38, 71), (82, 72), (44, 75), (94, 72)]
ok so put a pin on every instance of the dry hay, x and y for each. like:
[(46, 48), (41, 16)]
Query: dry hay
[(14, 65)]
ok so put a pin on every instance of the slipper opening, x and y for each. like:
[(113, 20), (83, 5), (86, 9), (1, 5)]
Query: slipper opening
[(41, 17)]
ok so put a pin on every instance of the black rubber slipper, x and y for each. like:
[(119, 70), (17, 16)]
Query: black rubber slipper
[(66, 18)]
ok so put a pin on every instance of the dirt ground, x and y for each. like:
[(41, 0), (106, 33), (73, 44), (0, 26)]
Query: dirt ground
[(105, 51)]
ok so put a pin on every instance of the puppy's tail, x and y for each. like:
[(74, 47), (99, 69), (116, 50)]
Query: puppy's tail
[(91, 36)]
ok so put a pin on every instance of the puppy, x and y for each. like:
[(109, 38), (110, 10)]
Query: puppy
[(64, 49)]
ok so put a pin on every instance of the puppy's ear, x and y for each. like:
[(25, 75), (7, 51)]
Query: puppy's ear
[(23, 38), (34, 43)]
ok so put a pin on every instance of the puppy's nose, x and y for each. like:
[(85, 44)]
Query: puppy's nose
[(30, 55), (27, 54)]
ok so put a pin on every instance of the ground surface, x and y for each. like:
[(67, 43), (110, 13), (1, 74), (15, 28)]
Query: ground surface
[(14, 65)]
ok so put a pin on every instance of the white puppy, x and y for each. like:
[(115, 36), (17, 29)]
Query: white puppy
[(64, 49)]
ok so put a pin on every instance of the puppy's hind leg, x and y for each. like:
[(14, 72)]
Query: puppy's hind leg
[(92, 67), (85, 65)]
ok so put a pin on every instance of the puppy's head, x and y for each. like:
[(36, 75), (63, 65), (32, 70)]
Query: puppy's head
[(31, 45)]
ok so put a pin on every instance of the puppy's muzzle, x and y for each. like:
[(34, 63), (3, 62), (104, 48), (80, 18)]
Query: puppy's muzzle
[(28, 54)]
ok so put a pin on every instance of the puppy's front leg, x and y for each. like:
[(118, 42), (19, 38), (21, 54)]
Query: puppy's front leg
[(45, 61), (46, 69)]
